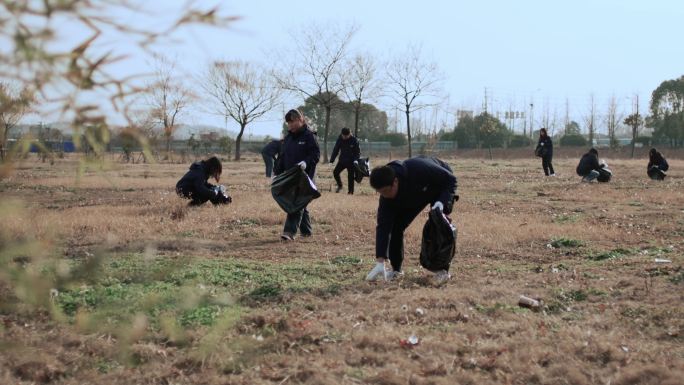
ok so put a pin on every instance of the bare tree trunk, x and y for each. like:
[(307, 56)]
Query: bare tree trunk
[(408, 130), (634, 136), (168, 147), (238, 140), (357, 112), (328, 109), (3, 144)]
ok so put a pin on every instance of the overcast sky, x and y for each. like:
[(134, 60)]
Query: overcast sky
[(521, 51)]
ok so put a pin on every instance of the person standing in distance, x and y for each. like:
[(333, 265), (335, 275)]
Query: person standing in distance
[(299, 148), (348, 148), (405, 188), (545, 151)]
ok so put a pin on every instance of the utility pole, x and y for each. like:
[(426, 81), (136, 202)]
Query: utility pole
[(567, 116), (592, 112), (485, 101), (531, 119), (635, 125)]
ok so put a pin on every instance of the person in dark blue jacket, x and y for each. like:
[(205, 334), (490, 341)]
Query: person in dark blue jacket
[(348, 148), (588, 167), (657, 165), (270, 153), (405, 188), (194, 184), (299, 148), (544, 150)]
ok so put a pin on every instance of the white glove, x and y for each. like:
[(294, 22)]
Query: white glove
[(439, 205), (302, 165), (356, 162)]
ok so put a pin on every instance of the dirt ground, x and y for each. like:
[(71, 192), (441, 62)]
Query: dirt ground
[(110, 278)]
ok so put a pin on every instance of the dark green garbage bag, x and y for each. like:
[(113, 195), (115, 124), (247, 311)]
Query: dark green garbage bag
[(439, 242), (293, 190)]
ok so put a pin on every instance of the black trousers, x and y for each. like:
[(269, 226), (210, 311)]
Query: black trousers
[(547, 166), (656, 173), (350, 175), (268, 161), (194, 199), (395, 252), (298, 221)]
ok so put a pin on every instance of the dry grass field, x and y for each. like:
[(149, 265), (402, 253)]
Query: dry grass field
[(110, 279)]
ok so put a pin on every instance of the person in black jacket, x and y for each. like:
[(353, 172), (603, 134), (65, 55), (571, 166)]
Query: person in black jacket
[(194, 184), (657, 165), (299, 148), (269, 153), (405, 188), (348, 148), (588, 167), (545, 151)]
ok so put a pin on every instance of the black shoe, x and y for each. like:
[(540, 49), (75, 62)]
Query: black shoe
[(339, 188), (350, 193)]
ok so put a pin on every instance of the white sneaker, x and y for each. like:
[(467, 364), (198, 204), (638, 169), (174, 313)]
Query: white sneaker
[(552, 175), (377, 273), (441, 277)]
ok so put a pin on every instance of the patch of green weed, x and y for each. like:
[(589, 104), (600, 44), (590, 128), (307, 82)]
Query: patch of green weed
[(346, 260), (565, 218), (612, 254), (677, 278), (565, 242), (196, 291)]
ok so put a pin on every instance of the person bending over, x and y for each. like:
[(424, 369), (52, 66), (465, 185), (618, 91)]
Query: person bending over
[(405, 188)]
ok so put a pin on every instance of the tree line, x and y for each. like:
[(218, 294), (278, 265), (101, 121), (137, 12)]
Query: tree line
[(338, 87)]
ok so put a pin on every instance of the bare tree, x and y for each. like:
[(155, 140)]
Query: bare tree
[(635, 121), (361, 83), (316, 71), (591, 119), (168, 98), (76, 77), (612, 120), (409, 80), (14, 104), (242, 92)]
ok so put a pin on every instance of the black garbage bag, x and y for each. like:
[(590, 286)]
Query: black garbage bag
[(221, 197), (656, 173), (604, 175), (361, 169), (293, 190), (439, 242)]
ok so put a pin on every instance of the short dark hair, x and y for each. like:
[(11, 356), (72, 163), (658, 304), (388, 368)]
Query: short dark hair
[(292, 115), (345, 131), (213, 165), (382, 176), (593, 151)]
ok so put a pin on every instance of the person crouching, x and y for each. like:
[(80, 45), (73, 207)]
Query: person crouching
[(657, 165), (194, 185)]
